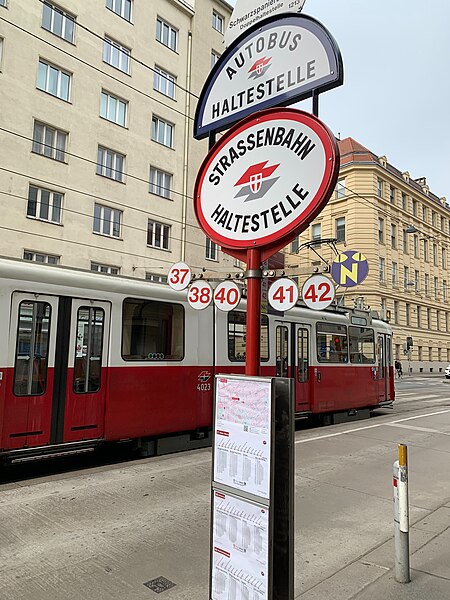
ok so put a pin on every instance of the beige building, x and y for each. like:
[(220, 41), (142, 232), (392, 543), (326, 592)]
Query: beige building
[(97, 158), (404, 232)]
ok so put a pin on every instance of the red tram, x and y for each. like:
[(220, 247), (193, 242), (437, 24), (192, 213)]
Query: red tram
[(88, 358)]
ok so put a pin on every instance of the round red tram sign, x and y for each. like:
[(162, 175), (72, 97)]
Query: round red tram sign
[(266, 179)]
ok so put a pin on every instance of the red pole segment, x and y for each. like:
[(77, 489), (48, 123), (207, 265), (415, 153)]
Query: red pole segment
[(253, 349)]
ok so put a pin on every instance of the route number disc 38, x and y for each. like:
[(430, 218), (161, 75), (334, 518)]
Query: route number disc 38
[(283, 294), (179, 276), (227, 296), (318, 292), (200, 295)]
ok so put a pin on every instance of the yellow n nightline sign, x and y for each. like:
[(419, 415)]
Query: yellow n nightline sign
[(349, 268)]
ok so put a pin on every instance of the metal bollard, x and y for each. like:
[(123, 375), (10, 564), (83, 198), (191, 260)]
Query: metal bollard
[(401, 516)]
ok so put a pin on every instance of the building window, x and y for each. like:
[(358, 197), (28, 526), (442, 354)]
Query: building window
[(110, 164), (416, 280), (394, 274), (436, 287), (316, 231), (443, 258), (160, 183), (164, 82), (439, 353), (407, 314), (211, 250), (166, 34), (444, 290), (107, 221), (392, 194), (158, 235), (442, 224), (446, 322), (430, 353), (1, 52), (108, 269), (214, 57), (162, 132), (295, 245), (116, 55), (438, 320), (420, 352), (381, 230), (403, 200), (340, 229), (155, 278), (49, 142), (429, 318), (218, 21), (58, 22), (416, 246), (49, 259), (396, 312), (123, 8), (113, 109), (394, 236), (382, 270), (425, 250), (54, 81), (340, 188), (435, 255), (44, 205), (418, 317), (3, 3), (427, 283), (405, 242), (405, 277), (414, 207), (424, 214), (433, 218), (379, 188)]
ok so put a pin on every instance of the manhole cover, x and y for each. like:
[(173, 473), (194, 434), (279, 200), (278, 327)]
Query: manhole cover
[(160, 584)]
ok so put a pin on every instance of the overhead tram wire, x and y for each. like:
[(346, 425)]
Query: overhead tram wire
[(97, 69), (133, 58)]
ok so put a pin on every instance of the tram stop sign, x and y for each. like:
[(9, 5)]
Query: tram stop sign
[(266, 180)]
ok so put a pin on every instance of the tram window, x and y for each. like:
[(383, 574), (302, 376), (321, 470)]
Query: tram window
[(88, 350), (332, 343), (33, 330), (303, 356), (282, 344), (152, 330), (362, 345), (237, 336)]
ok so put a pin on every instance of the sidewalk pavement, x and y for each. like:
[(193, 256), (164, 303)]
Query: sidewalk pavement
[(372, 576)]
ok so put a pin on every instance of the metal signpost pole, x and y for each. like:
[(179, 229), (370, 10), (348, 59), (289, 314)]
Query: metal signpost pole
[(252, 362)]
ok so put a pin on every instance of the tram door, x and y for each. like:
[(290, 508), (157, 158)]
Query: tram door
[(56, 389), (293, 360), (383, 360), (87, 370)]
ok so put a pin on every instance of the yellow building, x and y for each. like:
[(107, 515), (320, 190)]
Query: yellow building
[(404, 232)]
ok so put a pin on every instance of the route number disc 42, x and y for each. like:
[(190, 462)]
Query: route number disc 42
[(283, 294), (179, 276), (227, 296), (318, 292), (200, 295)]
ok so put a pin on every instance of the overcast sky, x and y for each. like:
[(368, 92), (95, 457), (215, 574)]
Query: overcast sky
[(396, 94)]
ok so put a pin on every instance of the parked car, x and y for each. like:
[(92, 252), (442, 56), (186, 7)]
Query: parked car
[(447, 372)]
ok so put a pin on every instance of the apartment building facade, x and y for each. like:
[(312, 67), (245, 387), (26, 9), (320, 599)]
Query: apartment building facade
[(97, 158), (403, 229)]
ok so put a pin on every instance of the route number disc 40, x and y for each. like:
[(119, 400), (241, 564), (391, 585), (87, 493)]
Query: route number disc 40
[(318, 292), (179, 276), (227, 296), (283, 294), (200, 295)]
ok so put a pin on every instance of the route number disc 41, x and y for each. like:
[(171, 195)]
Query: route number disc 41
[(283, 294), (318, 292), (179, 276), (200, 295), (227, 296)]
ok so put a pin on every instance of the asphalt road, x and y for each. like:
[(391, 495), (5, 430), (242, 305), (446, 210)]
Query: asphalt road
[(104, 530)]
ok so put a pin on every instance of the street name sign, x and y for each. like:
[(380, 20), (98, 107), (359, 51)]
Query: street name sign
[(249, 12), (277, 62), (266, 179)]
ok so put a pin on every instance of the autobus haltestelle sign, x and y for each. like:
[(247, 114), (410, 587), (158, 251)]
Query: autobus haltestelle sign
[(267, 178)]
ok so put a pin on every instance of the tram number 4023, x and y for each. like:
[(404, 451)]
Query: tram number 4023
[(204, 387)]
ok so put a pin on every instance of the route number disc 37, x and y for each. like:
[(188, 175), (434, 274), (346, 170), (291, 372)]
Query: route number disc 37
[(179, 276), (227, 296), (318, 292), (200, 295), (283, 294)]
